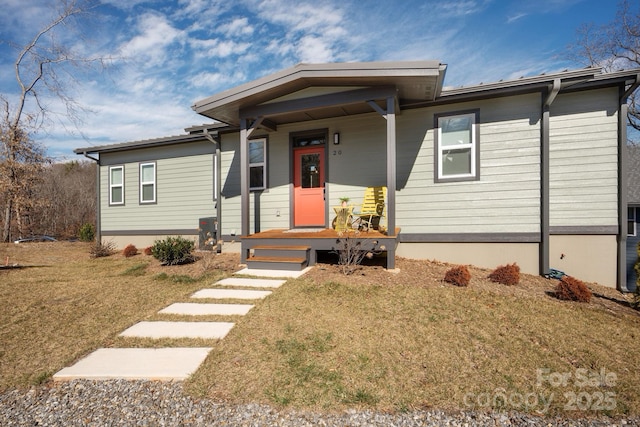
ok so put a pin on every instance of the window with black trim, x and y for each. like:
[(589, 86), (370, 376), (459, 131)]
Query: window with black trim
[(258, 164), (147, 182), (457, 146), (116, 185), (631, 221)]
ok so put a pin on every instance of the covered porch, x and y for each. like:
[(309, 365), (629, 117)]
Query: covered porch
[(309, 94), (282, 249)]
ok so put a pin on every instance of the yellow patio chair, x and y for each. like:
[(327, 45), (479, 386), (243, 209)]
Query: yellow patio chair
[(372, 209)]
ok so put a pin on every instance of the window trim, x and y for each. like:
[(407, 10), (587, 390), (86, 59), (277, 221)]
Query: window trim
[(142, 183), (112, 186), (632, 218), (263, 163), (474, 174)]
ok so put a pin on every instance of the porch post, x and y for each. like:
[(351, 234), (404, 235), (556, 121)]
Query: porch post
[(391, 178), (244, 178)]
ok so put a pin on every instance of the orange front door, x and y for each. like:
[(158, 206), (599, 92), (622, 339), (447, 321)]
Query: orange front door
[(308, 187)]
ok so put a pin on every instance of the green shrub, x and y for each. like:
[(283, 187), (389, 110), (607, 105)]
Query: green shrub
[(173, 250), (130, 251), (571, 289), (87, 232), (458, 276), (506, 274)]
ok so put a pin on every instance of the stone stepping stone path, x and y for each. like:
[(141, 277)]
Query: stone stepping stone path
[(230, 294), (251, 283), (204, 309), (165, 364), (172, 364), (207, 330)]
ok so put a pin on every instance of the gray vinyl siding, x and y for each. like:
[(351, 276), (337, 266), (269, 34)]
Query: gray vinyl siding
[(505, 199), (267, 203), (184, 186), (583, 159)]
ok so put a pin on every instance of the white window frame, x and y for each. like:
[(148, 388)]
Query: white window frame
[(441, 150), (112, 185), (263, 163), (632, 217), (143, 183)]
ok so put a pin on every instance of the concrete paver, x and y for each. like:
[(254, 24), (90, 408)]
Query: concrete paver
[(203, 309), (168, 364), (209, 330), (272, 273), (230, 294), (251, 282)]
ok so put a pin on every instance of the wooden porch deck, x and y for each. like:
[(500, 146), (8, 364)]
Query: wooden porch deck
[(295, 249)]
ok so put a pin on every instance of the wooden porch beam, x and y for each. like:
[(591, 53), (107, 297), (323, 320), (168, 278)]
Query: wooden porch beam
[(329, 100), (391, 176), (244, 176)]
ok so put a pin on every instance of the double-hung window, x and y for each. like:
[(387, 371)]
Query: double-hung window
[(258, 164), (147, 182), (116, 185), (457, 147)]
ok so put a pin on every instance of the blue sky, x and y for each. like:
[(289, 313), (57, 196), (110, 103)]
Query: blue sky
[(172, 53)]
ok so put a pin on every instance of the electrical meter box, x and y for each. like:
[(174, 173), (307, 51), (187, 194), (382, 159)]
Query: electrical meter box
[(208, 233)]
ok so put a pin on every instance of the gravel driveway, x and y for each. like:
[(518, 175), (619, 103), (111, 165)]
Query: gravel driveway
[(144, 403)]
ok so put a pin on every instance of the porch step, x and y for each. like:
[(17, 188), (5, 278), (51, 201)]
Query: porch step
[(275, 257), (281, 251), (276, 263)]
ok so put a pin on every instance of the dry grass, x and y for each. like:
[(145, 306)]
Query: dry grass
[(375, 339), (329, 342), (62, 304)]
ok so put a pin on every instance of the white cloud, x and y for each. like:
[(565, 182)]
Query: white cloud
[(459, 7), (513, 18), (218, 48), (155, 35), (237, 27), (314, 49)]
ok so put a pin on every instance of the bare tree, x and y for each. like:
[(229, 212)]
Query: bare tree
[(613, 46), (44, 67), (68, 195)]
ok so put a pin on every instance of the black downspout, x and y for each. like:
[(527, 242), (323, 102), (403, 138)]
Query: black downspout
[(98, 227)]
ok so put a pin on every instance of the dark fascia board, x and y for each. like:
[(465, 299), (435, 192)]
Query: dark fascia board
[(210, 127), (330, 70), (588, 78), (156, 142), (567, 77)]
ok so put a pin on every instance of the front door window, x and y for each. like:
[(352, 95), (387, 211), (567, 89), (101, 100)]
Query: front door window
[(310, 170)]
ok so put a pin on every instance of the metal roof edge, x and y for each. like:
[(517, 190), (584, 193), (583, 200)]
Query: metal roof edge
[(122, 146), (304, 70), (542, 79)]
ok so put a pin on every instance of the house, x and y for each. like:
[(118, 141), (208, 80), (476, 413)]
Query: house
[(528, 170)]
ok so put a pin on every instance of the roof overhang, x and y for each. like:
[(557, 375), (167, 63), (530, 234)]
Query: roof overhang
[(412, 81)]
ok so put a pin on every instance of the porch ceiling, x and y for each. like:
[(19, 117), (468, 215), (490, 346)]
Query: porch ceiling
[(414, 81)]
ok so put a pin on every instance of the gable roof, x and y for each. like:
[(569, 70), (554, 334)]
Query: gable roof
[(415, 81)]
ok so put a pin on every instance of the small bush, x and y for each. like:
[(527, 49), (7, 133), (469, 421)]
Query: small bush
[(506, 274), (130, 251), (147, 250), (571, 289), (103, 249), (458, 276), (173, 250), (87, 232)]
